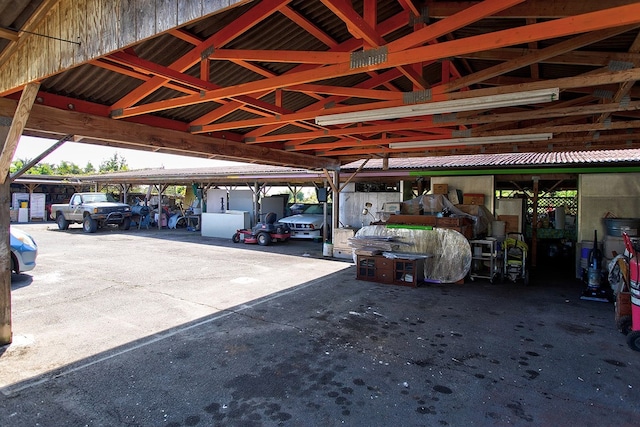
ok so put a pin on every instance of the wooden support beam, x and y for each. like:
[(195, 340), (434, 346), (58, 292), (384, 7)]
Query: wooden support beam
[(20, 117), (105, 131)]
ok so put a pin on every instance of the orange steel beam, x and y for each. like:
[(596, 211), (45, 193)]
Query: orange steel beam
[(351, 92), (194, 82), (318, 107), (286, 56), (262, 10), (624, 15), (385, 27), (424, 124), (459, 20), (360, 28), (309, 27), (382, 79), (603, 77)]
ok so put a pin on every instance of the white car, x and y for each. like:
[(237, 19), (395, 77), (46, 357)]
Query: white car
[(23, 251), (308, 224)]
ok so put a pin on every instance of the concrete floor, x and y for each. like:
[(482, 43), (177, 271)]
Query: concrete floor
[(148, 328)]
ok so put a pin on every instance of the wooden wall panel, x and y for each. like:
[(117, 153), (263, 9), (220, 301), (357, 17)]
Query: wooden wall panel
[(93, 45), (188, 10), (145, 19), (68, 31), (212, 6), (166, 15), (127, 36), (101, 27), (53, 44), (109, 27), (85, 36)]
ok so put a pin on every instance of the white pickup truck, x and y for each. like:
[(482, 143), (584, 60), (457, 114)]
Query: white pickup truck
[(93, 211)]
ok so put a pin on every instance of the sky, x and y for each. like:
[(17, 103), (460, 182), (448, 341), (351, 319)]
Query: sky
[(81, 154)]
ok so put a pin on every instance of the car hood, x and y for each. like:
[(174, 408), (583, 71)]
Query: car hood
[(302, 219)]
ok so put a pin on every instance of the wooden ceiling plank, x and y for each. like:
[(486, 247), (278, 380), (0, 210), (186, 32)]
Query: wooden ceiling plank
[(262, 10), (625, 15)]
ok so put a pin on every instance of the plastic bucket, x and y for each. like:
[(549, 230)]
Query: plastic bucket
[(24, 204), (327, 249), (498, 228)]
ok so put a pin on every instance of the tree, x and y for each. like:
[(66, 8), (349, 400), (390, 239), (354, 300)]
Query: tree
[(89, 168), (114, 164), (67, 168)]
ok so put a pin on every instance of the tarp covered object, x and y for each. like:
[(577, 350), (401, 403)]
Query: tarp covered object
[(449, 251)]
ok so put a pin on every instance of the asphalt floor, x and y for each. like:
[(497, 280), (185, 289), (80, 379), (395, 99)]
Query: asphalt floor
[(167, 328)]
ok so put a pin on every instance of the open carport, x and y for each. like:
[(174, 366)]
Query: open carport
[(184, 337)]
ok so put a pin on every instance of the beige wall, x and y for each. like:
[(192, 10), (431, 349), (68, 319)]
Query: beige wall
[(598, 194)]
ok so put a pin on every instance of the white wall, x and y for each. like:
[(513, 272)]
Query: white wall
[(483, 184), (352, 203)]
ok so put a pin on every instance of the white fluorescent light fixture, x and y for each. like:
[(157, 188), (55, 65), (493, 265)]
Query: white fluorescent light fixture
[(442, 107), (478, 140)]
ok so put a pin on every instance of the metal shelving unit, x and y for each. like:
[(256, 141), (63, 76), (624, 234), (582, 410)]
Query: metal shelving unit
[(486, 261)]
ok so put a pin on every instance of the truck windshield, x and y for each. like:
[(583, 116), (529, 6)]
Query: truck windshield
[(98, 197)]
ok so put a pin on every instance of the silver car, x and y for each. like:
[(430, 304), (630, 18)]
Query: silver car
[(308, 224), (23, 251)]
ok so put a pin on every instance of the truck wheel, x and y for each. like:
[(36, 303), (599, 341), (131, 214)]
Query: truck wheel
[(63, 224), (126, 224), (89, 225), (264, 239)]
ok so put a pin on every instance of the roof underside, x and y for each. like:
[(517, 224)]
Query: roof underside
[(266, 79)]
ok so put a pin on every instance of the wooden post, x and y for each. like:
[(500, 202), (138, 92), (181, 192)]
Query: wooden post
[(5, 264), (10, 131)]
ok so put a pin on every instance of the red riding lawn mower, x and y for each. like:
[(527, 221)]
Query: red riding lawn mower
[(264, 233)]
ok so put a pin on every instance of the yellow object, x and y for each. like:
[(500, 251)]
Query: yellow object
[(24, 204)]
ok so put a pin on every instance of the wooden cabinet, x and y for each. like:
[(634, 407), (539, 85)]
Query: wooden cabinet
[(396, 271)]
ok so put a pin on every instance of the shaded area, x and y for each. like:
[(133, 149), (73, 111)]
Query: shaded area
[(345, 351)]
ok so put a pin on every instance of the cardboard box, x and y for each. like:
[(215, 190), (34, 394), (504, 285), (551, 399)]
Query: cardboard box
[(473, 199), (510, 223), (440, 188)]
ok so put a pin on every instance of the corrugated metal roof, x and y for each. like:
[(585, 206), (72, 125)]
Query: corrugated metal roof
[(573, 158)]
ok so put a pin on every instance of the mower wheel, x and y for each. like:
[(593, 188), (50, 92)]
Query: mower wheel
[(236, 238), (624, 324), (263, 239), (633, 340)]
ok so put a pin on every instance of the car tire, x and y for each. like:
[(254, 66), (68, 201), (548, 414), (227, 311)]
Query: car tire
[(63, 224), (126, 224), (89, 225)]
